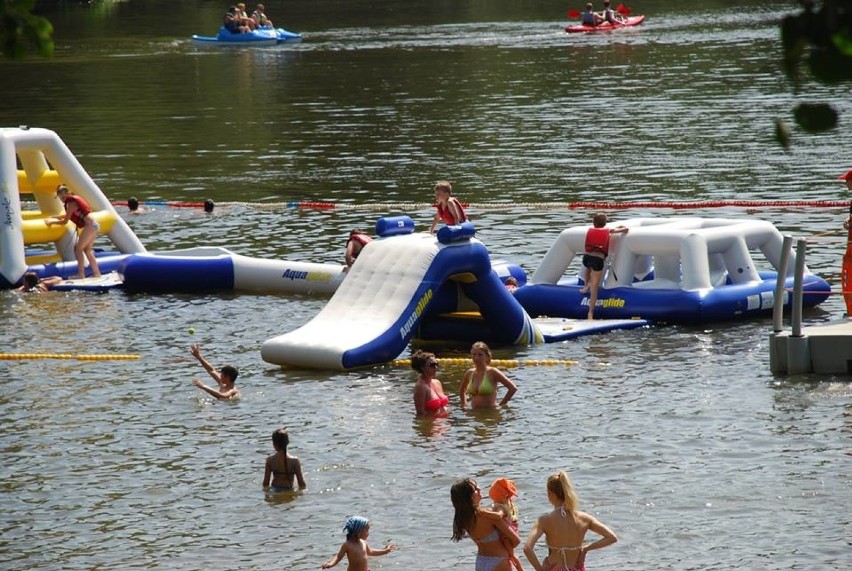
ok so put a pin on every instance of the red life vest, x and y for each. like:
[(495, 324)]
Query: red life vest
[(597, 241), (447, 215), (359, 238), (78, 217)]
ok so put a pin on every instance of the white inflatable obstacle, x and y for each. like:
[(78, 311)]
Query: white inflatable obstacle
[(676, 269), (45, 162)]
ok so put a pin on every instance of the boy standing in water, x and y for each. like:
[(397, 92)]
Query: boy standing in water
[(355, 548), (225, 378)]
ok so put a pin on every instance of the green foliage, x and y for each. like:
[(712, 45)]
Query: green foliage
[(822, 40), (22, 31), (815, 117)]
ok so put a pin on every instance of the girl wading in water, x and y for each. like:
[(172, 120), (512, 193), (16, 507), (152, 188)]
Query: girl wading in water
[(564, 530)]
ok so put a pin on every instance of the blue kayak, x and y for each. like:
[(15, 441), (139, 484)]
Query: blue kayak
[(260, 37)]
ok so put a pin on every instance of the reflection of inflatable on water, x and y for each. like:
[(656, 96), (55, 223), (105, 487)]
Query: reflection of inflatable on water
[(675, 270)]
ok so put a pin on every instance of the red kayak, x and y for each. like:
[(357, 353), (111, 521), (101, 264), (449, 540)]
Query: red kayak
[(606, 26)]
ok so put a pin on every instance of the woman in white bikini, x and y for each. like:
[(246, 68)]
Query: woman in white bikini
[(564, 530)]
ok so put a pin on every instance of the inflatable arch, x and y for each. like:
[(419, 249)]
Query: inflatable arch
[(677, 269), (33, 162)]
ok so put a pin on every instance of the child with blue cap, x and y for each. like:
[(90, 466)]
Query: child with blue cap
[(355, 548)]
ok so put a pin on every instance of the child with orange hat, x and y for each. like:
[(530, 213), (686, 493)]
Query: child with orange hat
[(502, 491)]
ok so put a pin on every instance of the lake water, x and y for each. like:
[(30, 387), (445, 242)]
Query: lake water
[(679, 438)]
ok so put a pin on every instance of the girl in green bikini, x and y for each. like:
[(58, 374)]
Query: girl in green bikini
[(480, 382)]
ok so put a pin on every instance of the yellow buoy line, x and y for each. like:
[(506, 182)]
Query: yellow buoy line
[(66, 356), (508, 363)]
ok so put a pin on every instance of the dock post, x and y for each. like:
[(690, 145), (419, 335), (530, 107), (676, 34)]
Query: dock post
[(777, 349), (798, 351)]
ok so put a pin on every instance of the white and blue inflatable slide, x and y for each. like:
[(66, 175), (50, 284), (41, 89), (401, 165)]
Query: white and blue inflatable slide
[(395, 284)]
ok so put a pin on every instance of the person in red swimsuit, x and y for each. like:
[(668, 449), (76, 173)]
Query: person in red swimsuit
[(597, 249), (356, 242), (429, 397), (450, 210), (78, 211)]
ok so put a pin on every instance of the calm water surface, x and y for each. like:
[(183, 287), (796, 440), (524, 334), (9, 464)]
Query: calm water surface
[(679, 438)]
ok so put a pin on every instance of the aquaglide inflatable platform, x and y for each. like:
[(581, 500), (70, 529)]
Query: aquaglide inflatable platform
[(407, 285), (28, 244), (671, 270)]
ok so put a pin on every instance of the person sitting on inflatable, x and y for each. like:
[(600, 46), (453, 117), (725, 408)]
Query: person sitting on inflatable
[(357, 240), (233, 23), (449, 208), (259, 16)]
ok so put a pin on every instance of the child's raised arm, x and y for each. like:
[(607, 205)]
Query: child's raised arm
[(195, 351)]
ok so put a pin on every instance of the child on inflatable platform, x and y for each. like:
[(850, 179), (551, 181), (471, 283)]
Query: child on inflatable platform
[(356, 242), (449, 208), (225, 378), (79, 212), (597, 250), (355, 549)]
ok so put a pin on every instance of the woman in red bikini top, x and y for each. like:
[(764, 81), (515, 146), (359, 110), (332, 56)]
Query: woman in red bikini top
[(429, 397)]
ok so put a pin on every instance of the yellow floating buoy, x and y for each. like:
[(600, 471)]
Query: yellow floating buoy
[(496, 362), (67, 356)]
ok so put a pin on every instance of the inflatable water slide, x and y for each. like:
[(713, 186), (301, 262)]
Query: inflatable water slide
[(397, 283)]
